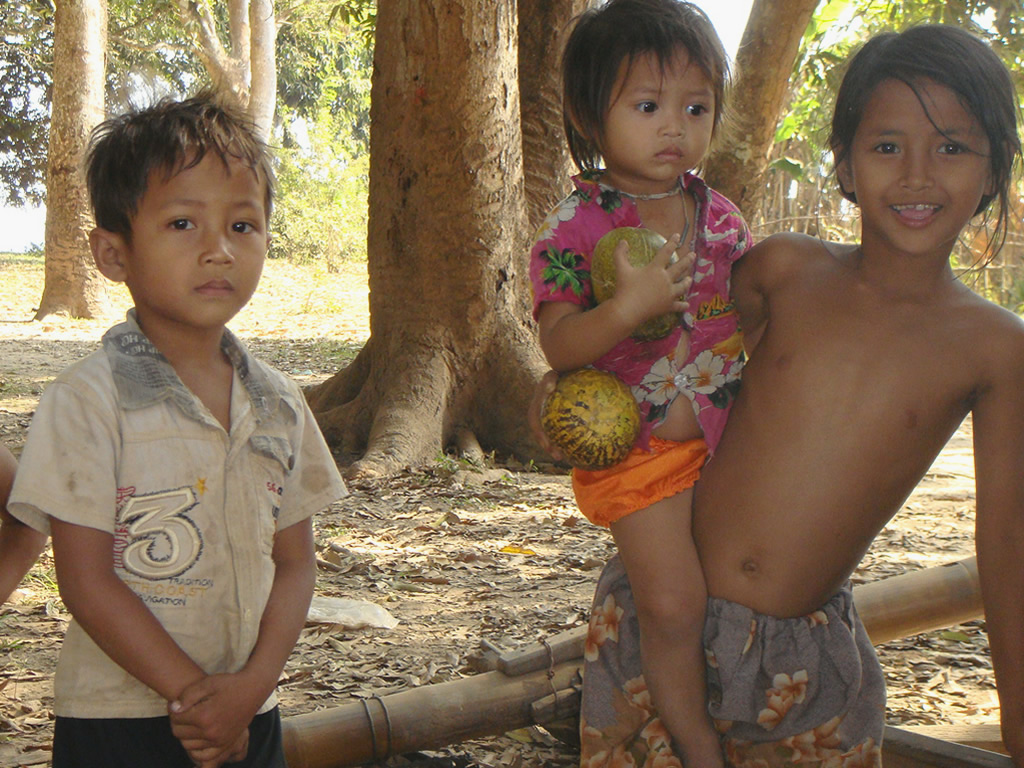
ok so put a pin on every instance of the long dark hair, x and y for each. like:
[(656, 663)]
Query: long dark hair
[(950, 57)]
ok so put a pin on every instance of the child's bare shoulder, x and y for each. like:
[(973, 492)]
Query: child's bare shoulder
[(796, 245), (778, 255), (984, 316), (780, 260), (993, 339), (1007, 328)]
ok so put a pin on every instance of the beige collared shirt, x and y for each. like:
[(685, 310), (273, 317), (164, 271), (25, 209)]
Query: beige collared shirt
[(119, 444)]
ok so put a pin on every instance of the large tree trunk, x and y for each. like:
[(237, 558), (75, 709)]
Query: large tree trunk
[(764, 62), (452, 353), (72, 283), (547, 165)]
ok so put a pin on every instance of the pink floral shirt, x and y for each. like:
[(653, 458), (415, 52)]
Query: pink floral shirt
[(710, 374)]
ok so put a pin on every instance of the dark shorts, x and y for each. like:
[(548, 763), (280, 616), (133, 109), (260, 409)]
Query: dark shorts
[(806, 690), (148, 743)]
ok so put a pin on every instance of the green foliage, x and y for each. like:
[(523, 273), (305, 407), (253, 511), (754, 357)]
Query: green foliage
[(324, 64), (150, 55), (360, 16), (324, 73), (26, 52), (8, 645), (43, 577), (793, 167), (33, 256), (321, 212), (324, 118)]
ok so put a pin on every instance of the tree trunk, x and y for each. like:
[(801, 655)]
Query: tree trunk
[(263, 63), (764, 62), (547, 165), (228, 68), (451, 352), (245, 69), (72, 284)]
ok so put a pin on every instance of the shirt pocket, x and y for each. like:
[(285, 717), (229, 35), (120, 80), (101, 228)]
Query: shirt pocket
[(273, 462)]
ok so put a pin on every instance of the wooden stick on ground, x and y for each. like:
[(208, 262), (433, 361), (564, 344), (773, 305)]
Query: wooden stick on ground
[(920, 601), (420, 718), (903, 749)]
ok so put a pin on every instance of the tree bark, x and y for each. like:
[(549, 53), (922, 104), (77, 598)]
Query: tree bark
[(451, 347), (245, 69), (72, 284), (764, 62), (263, 65), (547, 165)]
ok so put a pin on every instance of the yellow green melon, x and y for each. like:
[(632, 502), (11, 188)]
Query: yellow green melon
[(592, 417), (644, 244)]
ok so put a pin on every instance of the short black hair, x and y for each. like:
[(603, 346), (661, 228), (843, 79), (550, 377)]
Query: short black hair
[(170, 136)]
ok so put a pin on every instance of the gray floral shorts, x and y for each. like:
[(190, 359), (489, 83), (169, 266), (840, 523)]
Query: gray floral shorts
[(806, 690)]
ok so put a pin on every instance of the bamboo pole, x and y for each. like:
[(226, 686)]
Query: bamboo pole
[(904, 749), (535, 683), (920, 601), (982, 735), (420, 718)]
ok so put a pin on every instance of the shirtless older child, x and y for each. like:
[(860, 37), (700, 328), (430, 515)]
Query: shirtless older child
[(866, 359)]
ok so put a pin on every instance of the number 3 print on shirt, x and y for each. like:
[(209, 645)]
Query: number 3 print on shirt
[(161, 541)]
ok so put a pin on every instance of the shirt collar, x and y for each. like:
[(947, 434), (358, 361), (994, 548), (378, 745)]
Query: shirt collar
[(144, 377)]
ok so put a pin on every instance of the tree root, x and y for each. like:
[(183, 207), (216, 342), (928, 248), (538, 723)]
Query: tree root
[(403, 401), (469, 447)]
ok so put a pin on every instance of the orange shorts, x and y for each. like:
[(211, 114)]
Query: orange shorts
[(639, 480)]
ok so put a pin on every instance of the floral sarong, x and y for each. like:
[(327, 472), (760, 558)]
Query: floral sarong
[(804, 691)]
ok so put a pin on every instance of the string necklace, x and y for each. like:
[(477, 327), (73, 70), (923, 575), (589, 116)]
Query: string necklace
[(677, 190), (654, 196)]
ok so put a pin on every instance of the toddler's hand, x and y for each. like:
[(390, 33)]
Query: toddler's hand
[(540, 393), (655, 289)]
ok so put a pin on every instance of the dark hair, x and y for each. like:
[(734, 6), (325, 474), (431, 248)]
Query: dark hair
[(171, 136), (619, 31), (950, 57)]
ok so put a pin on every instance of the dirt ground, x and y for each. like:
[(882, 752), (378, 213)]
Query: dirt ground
[(462, 558)]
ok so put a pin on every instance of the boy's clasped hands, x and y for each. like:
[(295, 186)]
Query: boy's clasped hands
[(208, 722)]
